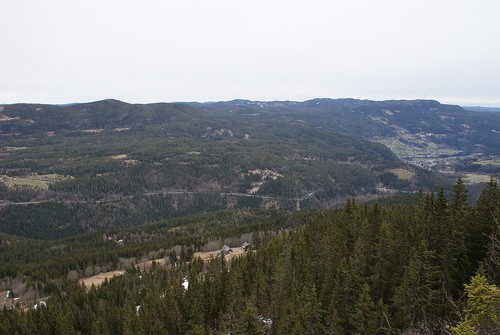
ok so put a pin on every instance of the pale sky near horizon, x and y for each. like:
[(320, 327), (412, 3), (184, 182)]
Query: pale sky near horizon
[(57, 51)]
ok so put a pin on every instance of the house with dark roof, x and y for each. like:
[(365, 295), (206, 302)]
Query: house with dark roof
[(226, 250)]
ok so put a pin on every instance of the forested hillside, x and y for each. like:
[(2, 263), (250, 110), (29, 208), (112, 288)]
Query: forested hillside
[(111, 164), (95, 188), (363, 269), (450, 125)]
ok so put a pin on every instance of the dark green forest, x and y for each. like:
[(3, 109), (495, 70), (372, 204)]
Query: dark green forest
[(430, 265), (106, 186), (43, 260), (110, 164)]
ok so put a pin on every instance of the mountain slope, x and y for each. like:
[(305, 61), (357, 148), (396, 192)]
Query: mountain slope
[(448, 124), (115, 164), (421, 132)]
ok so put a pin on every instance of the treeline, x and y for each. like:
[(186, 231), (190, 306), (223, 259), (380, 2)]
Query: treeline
[(208, 151), (365, 269), (52, 221), (38, 261), (43, 221), (132, 196), (17, 194)]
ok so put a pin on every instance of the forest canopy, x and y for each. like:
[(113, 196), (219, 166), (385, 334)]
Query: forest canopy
[(418, 267)]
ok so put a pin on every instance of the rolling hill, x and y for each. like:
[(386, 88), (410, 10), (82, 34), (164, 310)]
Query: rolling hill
[(113, 164)]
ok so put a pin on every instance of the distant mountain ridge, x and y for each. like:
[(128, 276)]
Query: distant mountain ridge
[(449, 125), (109, 163), (482, 109), (100, 114)]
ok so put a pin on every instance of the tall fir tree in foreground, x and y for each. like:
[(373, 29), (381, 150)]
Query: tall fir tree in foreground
[(482, 312)]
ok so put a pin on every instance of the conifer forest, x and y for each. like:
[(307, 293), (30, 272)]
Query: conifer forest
[(429, 264), (227, 167)]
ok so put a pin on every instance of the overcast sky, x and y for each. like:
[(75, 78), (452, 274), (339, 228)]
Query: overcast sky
[(60, 51)]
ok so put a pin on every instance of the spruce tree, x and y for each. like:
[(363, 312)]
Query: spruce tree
[(488, 202), (418, 297), (482, 314), (310, 311), (251, 323), (460, 220), (492, 262), (364, 320), (388, 261)]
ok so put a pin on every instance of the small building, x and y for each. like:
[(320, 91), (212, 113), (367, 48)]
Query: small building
[(226, 250), (245, 246), (185, 283), (40, 305), (266, 322)]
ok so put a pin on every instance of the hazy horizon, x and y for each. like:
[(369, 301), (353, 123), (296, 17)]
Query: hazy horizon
[(62, 52), (243, 99)]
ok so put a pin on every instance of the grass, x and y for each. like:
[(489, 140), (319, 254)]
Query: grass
[(407, 149), (402, 173), (494, 161), (29, 182), (475, 178), (36, 181)]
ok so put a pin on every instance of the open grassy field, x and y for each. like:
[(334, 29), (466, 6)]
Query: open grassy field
[(100, 278), (476, 178), (403, 173), (36, 181), (494, 161), (402, 149), (209, 255), (28, 182)]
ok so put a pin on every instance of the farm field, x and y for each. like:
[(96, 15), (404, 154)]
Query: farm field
[(98, 279), (494, 161), (475, 178), (36, 181), (403, 173), (207, 256)]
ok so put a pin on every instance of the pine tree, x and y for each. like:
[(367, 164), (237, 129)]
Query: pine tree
[(364, 320), (173, 319), (100, 327), (482, 314), (310, 312), (333, 322), (418, 298), (460, 220), (492, 261), (458, 203), (251, 323), (388, 261), (343, 293), (132, 325), (363, 252), (484, 221)]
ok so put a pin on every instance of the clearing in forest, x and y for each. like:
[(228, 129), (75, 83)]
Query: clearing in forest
[(99, 278), (403, 173), (37, 181), (207, 256)]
